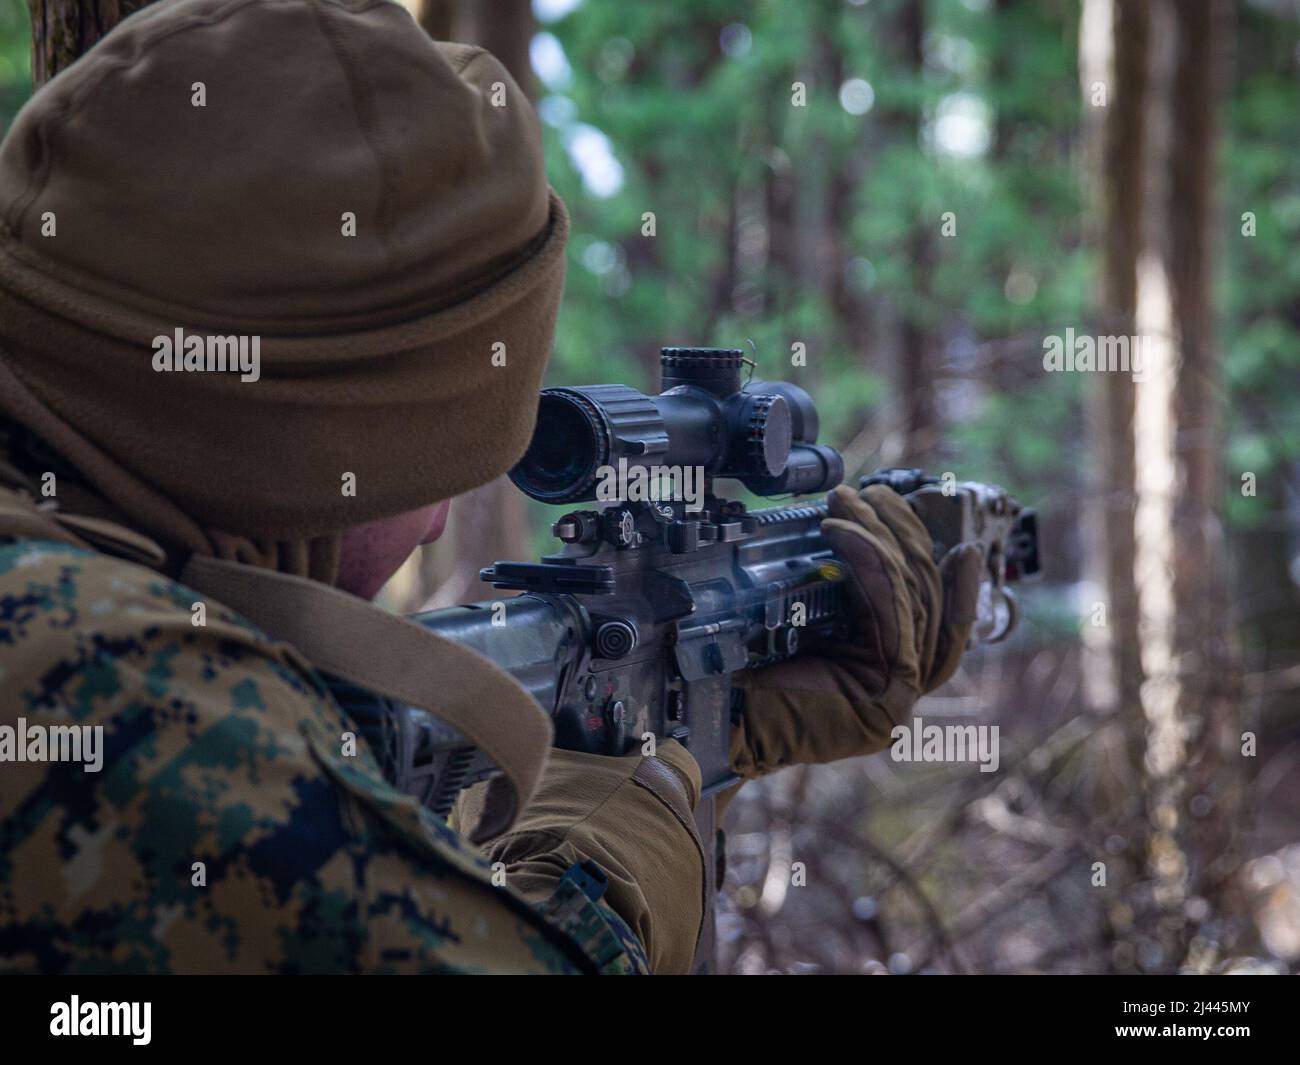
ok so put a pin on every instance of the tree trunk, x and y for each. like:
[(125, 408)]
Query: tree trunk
[(1117, 151), (916, 357), (1207, 669), (487, 523), (1191, 698), (63, 30), (1114, 52)]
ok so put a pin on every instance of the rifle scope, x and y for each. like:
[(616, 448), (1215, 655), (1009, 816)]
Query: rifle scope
[(763, 433)]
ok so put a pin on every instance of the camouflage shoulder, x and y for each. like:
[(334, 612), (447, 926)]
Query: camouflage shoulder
[(218, 819)]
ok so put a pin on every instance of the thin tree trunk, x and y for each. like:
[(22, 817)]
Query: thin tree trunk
[(917, 362), (1118, 182), (1114, 51), (487, 523), (1208, 670)]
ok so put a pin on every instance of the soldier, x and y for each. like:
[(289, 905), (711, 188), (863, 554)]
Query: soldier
[(317, 187)]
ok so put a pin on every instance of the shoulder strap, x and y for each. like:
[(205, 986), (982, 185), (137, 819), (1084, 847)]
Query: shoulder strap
[(397, 658), (350, 638)]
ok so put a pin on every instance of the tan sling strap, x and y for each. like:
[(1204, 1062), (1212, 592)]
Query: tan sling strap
[(350, 638), (391, 656)]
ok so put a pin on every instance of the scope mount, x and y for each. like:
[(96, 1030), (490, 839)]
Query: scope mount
[(621, 526)]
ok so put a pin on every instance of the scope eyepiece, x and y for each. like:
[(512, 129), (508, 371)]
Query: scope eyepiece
[(763, 434)]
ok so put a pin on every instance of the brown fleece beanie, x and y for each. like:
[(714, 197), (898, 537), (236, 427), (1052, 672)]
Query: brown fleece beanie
[(202, 169)]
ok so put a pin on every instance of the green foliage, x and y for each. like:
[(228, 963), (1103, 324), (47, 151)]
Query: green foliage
[(703, 127), (1260, 278), (697, 103), (15, 58), (777, 224)]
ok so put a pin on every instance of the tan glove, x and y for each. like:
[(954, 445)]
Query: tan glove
[(910, 623), (633, 817)]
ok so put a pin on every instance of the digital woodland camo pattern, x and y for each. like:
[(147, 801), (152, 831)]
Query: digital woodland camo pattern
[(221, 747)]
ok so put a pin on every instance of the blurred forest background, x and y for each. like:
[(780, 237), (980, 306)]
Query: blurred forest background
[(895, 202)]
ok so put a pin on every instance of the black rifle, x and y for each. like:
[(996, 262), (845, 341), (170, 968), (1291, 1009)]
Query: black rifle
[(634, 630)]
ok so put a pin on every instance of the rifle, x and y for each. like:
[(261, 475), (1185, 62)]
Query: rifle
[(633, 631)]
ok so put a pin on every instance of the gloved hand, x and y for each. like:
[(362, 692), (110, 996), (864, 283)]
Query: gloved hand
[(910, 623), (632, 816)]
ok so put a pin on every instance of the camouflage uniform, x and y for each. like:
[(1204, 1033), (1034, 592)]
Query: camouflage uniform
[(379, 239), (221, 747)]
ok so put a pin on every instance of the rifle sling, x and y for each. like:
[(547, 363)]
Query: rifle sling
[(387, 654), (350, 638)]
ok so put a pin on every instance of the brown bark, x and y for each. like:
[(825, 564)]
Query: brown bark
[(62, 30), (1190, 700), (1209, 675), (915, 358), (1116, 138), (919, 341), (1120, 184)]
